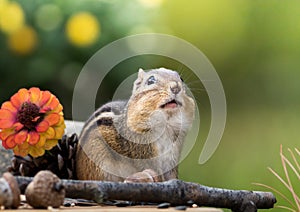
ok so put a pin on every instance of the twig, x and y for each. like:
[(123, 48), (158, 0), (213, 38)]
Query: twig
[(176, 192), (276, 191)]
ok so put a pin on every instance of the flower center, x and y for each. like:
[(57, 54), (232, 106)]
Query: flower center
[(29, 115)]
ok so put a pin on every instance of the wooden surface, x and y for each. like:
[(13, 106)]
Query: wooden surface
[(115, 209)]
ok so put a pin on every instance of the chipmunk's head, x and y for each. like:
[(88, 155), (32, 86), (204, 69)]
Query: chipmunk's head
[(159, 98)]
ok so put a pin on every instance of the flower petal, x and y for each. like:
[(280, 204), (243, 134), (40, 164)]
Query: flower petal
[(33, 138), (9, 106), (44, 98), (25, 145), (16, 101), (21, 136), (19, 98), (18, 126), (5, 133), (35, 151), (51, 104), (7, 119), (4, 123), (58, 109), (23, 94), (52, 118), (61, 121), (34, 95), (20, 152), (6, 114), (50, 133), (42, 126), (4, 145), (50, 144), (10, 143), (59, 131), (41, 142)]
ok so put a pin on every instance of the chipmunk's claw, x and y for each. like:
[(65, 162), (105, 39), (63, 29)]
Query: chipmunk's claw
[(146, 176)]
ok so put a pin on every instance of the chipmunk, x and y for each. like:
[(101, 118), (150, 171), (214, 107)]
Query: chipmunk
[(146, 132)]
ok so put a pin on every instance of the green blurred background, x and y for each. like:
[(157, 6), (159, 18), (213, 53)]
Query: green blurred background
[(253, 44)]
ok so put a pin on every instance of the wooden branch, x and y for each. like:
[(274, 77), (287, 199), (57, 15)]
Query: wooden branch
[(176, 192)]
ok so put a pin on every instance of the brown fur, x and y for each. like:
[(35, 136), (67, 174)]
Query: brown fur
[(118, 138), (141, 108)]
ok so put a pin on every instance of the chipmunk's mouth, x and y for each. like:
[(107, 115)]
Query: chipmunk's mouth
[(171, 104)]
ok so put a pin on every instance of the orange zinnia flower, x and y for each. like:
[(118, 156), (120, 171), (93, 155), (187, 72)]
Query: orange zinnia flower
[(31, 122)]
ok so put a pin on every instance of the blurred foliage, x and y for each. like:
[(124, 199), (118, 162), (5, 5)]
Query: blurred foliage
[(253, 44)]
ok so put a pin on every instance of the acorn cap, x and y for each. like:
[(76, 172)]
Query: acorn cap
[(45, 190), (14, 187)]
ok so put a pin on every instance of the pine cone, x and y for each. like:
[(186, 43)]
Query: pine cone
[(60, 160)]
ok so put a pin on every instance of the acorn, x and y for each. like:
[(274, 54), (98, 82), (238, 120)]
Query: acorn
[(45, 190), (146, 176), (9, 191)]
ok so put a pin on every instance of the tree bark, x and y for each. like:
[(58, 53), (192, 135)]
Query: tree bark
[(176, 192)]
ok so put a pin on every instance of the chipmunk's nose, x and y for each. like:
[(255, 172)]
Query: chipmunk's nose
[(175, 87)]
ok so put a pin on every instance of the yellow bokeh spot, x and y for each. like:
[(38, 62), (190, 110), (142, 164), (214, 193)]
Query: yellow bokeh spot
[(23, 41), (3, 4), (11, 16), (83, 29)]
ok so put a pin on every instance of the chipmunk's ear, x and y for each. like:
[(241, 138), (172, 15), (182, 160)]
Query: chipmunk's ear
[(141, 73), (139, 80)]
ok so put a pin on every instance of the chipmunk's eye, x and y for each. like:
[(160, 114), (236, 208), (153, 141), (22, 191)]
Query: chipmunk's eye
[(151, 80), (181, 79)]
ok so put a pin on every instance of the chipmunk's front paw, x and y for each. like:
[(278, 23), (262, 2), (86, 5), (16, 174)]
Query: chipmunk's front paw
[(146, 176)]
